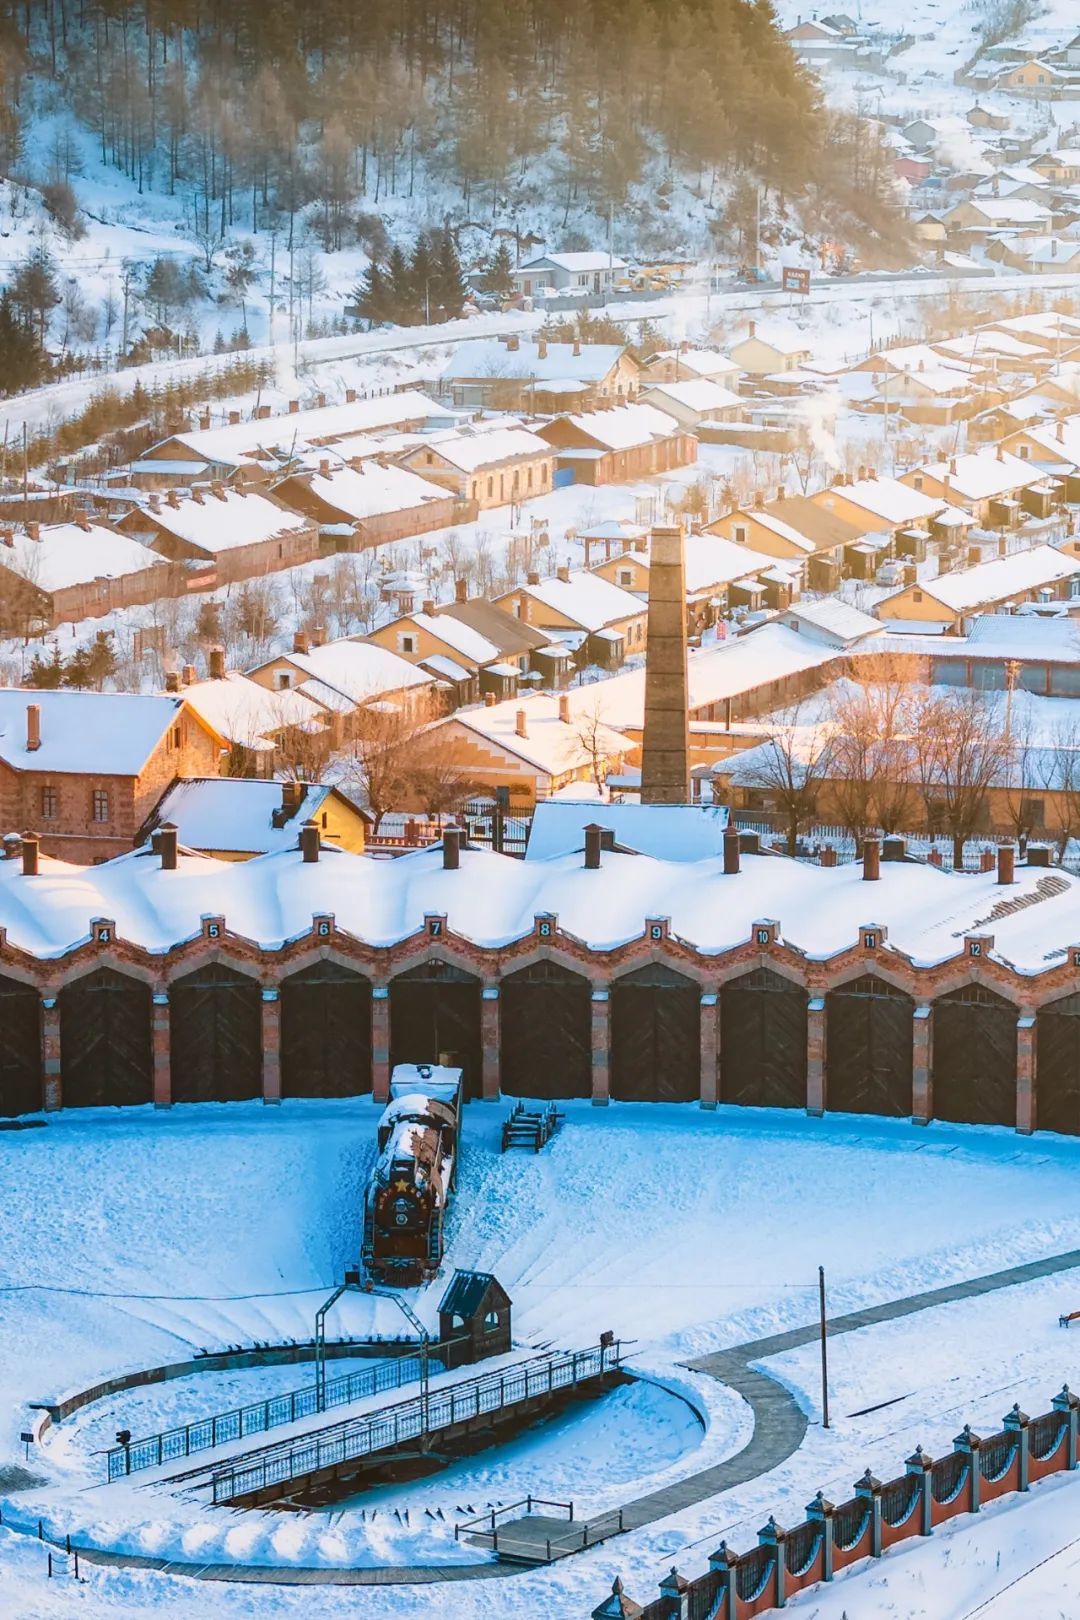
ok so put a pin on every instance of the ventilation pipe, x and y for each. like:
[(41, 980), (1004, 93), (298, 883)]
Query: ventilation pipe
[(451, 849), (461, 590), (731, 850), (1006, 863), (309, 841), (30, 854), (217, 663), (871, 859), (593, 846), (520, 726), (167, 846)]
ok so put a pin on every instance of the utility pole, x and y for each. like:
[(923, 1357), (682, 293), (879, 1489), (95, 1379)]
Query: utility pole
[(273, 266), (824, 1350)]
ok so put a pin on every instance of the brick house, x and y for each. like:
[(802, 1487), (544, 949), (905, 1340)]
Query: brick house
[(224, 535), (370, 505), (600, 622), (59, 573), (84, 769), (486, 467), (514, 373), (620, 445)]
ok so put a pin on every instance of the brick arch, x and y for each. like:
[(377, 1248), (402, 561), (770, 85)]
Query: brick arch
[(763, 1038), (106, 1044), (215, 1025), (20, 1046), (655, 1034), (974, 1055)]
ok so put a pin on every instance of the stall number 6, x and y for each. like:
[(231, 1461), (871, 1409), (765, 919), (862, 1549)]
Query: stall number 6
[(324, 930)]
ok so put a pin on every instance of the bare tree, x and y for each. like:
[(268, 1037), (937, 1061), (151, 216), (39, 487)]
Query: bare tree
[(790, 768), (959, 748), (595, 739), (376, 765)]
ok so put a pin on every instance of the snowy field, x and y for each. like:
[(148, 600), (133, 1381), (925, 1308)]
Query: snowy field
[(166, 1233)]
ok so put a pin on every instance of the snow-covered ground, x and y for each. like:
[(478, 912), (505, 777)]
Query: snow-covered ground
[(163, 1233)]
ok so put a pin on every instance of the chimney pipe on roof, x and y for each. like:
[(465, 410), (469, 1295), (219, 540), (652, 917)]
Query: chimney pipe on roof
[(577, 346), (451, 849), (1006, 863), (187, 675), (294, 406), (520, 726), (731, 849), (172, 680), (171, 500), (292, 797), (428, 607), (309, 842), (34, 530), (350, 396), (263, 413), (320, 401), (781, 492), (167, 841), (324, 469), (871, 857), (564, 708), (751, 328), (204, 421), (154, 503), (30, 854), (1060, 432), (217, 663), (1000, 453), (541, 349), (593, 846), (461, 590), (234, 418), (33, 727), (532, 577), (300, 643), (563, 573), (318, 635)]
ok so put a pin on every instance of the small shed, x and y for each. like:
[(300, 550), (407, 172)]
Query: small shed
[(474, 1318)]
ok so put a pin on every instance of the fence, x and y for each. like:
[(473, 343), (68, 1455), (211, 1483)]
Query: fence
[(223, 1427), (517, 1541), (936, 850), (832, 1537), (411, 1420)]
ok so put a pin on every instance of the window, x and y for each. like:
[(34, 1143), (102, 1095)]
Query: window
[(1033, 813), (406, 642), (283, 679), (626, 576), (916, 596), (50, 804), (740, 534), (99, 804), (918, 481), (1025, 452), (491, 486), (530, 478), (325, 818), (177, 736), (491, 1321)]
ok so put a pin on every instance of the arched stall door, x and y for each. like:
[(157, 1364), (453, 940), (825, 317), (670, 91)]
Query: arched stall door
[(1057, 1066), (655, 1036), (546, 1032), (325, 1032), (974, 1057), (215, 1019), (868, 1048), (434, 1010), (20, 1047), (763, 1041), (106, 1046)]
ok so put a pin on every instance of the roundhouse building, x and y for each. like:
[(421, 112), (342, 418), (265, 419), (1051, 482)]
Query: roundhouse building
[(167, 977)]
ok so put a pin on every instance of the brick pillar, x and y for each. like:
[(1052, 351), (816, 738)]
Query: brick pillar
[(710, 1042), (815, 1056), (868, 1489), (773, 1536), (1026, 1094), (922, 1076), (52, 1083), (968, 1443), (601, 1047), (920, 1465), (161, 1036), (1067, 1402), (490, 1033), (271, 1035), (1016, 1422), (380, 1044), (821, 1512)]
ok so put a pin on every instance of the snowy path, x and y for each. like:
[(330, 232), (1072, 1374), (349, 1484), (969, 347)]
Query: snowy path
[(779, 1428)]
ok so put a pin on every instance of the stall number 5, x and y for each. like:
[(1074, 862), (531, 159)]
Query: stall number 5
[(213, 930)]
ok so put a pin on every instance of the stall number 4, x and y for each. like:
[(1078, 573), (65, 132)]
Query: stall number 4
[(104, 936)]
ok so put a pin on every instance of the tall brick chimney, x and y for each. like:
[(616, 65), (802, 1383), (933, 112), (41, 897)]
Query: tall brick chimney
[(33, 727), (217, 663), (665, 748), (461, 590)]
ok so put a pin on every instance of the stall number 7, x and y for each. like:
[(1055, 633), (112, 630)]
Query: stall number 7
[(434, 927)]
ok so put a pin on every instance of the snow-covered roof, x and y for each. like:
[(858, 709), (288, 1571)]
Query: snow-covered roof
[(1010, 210), (699, 394), (357, 670), (578, 263), (784, 338), (626, 426), (240, 441), (584, 598), (462, 637), (67, 554), (107, 733), (494, 899), (489, 359), (995, 581), (242, 711), (834, 616), (470, 451), (982, 474), (975, 345), (223, 519), (885, 498), (371, 490), (673, 832), (237, 813), (550, 743), (699, 362), (1060, 440), (1023, 635)]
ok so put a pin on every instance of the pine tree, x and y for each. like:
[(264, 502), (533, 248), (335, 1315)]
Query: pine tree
[(77, 669), (34, 292), (101, 659), (399, 287), (22, 364), (452, 291), (499, 276), (423, 276), (371, 299), (46, 675)]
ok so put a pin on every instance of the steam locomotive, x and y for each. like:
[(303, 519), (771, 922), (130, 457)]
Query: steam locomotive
[(414, 1175)]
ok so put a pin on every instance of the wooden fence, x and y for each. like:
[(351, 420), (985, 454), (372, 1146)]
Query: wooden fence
[(978, 1470)]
